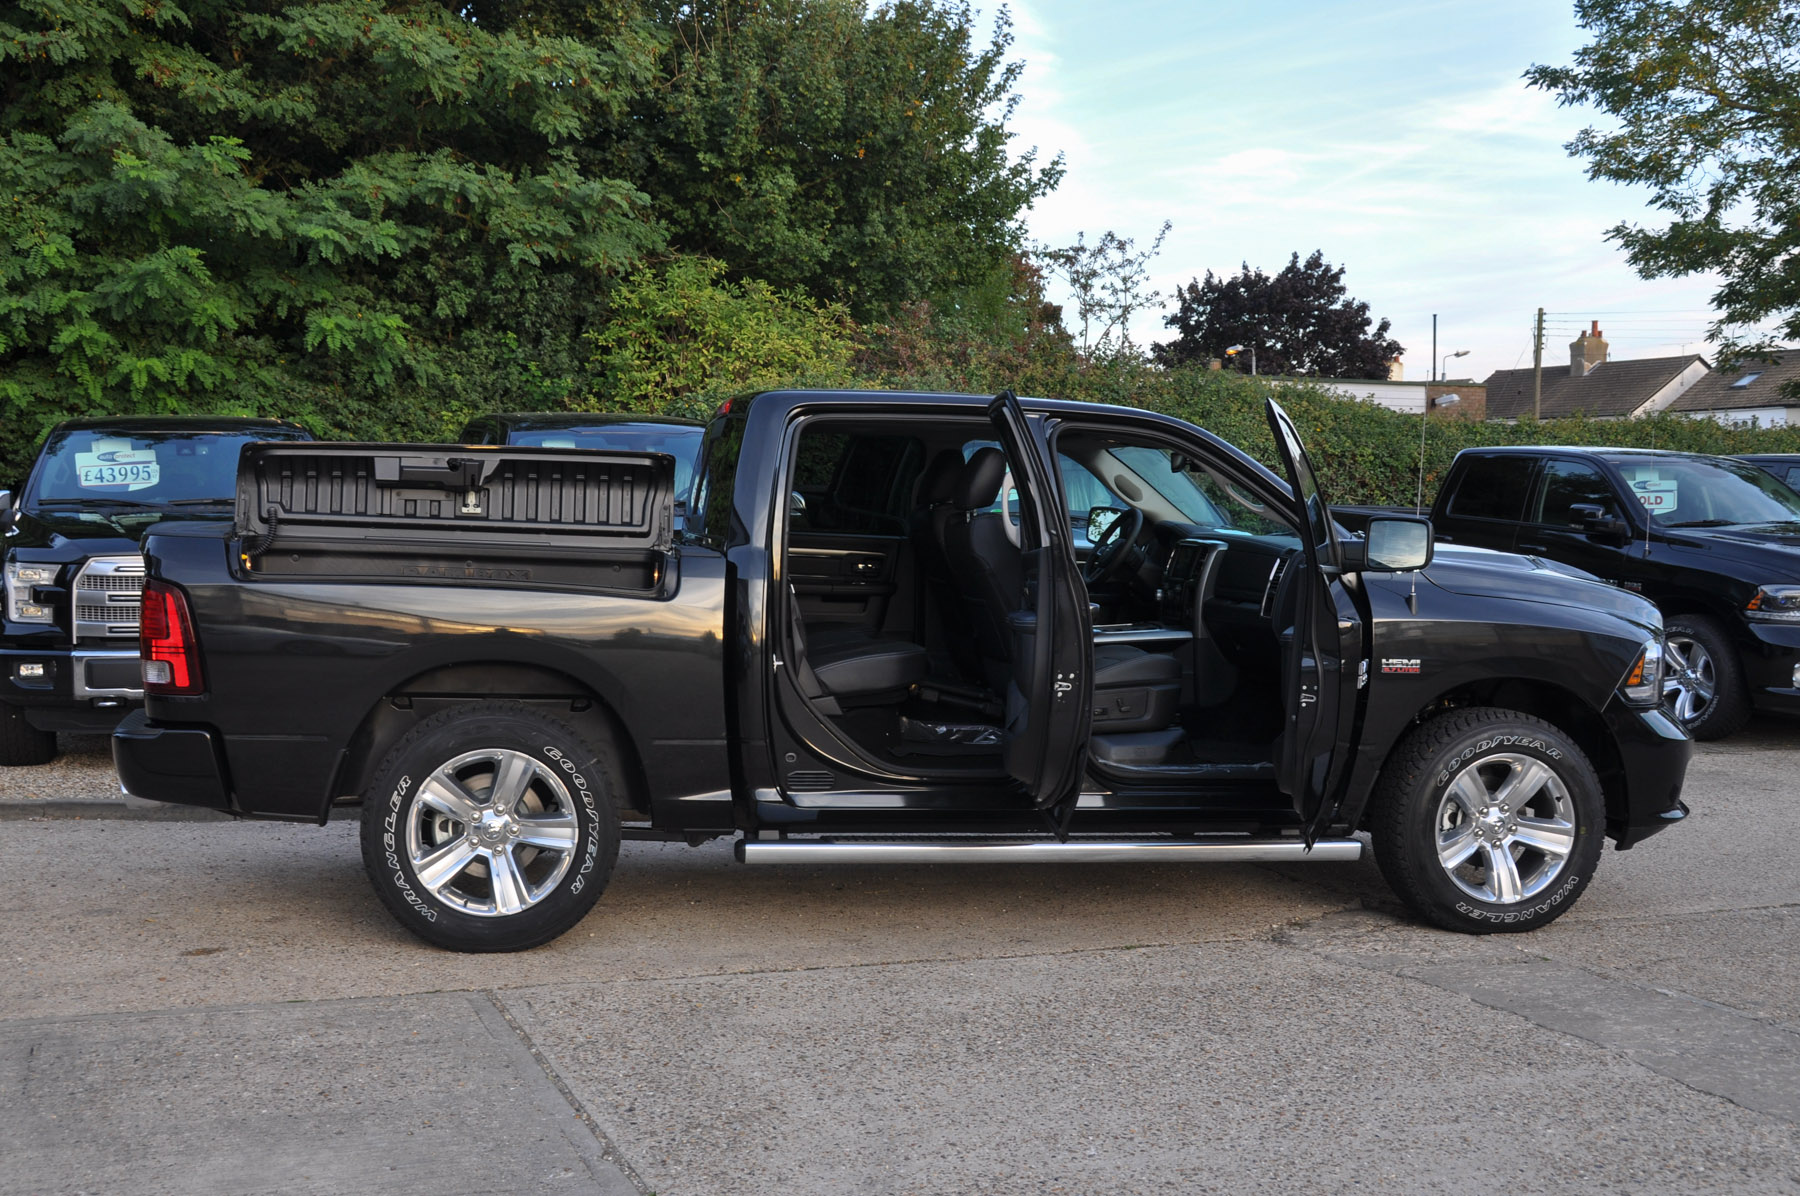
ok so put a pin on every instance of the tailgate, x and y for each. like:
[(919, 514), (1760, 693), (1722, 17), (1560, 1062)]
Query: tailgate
[(456, 513)]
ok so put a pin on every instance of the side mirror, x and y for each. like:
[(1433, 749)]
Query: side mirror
[(1392, 544), (1099, 520), (796, 504), (1596, 522), (6, 509)]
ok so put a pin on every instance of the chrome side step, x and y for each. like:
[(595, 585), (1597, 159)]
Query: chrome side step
[(1080, 851)]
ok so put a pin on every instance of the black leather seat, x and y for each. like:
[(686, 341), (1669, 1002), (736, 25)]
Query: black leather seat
[(855, 671)]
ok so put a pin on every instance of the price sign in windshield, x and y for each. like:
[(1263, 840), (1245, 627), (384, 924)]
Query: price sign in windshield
[(1658, 498), (117, 469)]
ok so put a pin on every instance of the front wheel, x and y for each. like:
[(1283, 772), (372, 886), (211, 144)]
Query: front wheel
[(20, 742), (1488, 820), (1703, 684), (489, 828)]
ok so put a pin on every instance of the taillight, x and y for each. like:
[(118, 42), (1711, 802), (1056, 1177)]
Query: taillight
[(166, 642)]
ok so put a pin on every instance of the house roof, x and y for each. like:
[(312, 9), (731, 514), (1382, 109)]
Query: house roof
[(1719, 390), (1611, 388)]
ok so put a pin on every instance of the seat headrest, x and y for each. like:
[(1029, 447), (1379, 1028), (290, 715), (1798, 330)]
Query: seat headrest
[(979, 484), (938, 483)]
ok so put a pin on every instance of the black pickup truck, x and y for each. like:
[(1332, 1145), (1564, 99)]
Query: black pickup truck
[(871, 639), (1713, 541), (68, 646)]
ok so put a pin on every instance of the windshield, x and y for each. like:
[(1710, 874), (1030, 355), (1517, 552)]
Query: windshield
[(678, 440), (103, 467), (1707, 492)]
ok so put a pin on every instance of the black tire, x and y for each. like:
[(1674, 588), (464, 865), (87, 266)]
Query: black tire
[(449, 765), (1480, 751), (1702, 644), (20, 742)]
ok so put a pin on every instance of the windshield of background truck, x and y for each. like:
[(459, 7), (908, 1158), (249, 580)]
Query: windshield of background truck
[(106, 467), (1707, 492), (679, 441)]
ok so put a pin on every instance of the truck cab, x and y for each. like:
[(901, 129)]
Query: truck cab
[(73, 572)]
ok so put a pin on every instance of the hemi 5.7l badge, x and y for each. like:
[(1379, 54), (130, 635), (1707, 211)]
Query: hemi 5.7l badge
[(1400, 664)]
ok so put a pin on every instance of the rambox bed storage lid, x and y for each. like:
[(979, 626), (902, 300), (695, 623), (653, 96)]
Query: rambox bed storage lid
[(457, 513)]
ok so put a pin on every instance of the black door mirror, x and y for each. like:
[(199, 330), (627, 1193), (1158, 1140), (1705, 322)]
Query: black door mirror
[(1099, 520), (1596, 522), (1392, 544)]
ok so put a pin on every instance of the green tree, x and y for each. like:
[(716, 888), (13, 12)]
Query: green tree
[(1299, 321), (679, 337), (333, 210), (860, 154), (1706, 99)]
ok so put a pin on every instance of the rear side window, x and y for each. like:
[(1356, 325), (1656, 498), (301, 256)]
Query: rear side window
[(855, 482), (1493, 488), (1568, 484)]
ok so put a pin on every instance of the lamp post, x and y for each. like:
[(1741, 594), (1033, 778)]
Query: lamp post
[(1424, 416), (1443, 361), (1234, 350)]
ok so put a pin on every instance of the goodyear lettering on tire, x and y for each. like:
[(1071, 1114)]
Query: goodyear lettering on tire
[(1456, 762)]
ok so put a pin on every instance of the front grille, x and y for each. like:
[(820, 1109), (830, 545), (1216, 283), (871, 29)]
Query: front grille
[(108, 591)]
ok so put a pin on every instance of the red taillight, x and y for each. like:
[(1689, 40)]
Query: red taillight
[(166, 642)]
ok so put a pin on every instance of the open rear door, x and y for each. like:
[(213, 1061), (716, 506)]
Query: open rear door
[(1312, 668), (1049, 700)]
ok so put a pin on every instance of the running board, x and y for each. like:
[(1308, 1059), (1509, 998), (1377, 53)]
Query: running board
[(1224, 851)]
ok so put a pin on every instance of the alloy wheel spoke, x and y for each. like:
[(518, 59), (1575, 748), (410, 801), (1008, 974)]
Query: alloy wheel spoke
[(1503, 874), (442, 866), (444, 793), (1457, 846), (512, 776), (557, 832), (1469, 794), (510, 893), (1676, 654), (1521, 786), (1552, 836)]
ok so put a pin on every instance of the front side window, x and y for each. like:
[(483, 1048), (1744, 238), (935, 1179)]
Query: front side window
[(1572, 484)]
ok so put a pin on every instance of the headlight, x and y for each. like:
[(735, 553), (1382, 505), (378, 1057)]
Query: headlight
[(1643, 684), (19, 580), (1774, 604)]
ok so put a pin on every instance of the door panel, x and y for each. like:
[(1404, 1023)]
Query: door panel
[(1314, 746), (848, 579), (1050, 697)]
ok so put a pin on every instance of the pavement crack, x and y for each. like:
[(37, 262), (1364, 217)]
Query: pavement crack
[(608, 1149)]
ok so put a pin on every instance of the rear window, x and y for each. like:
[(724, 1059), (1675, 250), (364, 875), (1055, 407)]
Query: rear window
[(1492, 488)]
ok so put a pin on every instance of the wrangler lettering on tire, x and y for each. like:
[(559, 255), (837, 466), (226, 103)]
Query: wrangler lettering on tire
[(488, 827), (1487, 821)]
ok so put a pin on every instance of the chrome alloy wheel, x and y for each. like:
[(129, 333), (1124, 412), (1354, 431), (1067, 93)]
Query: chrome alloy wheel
[(491, 832), (1505, 828), (1690, 679)]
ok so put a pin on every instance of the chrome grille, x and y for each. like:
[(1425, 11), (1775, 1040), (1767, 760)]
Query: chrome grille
[(108, 591)]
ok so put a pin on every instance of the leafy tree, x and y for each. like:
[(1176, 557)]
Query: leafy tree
[(679, 337), (332, 210), (1108, 280), (858, 153), (1300, 321), (1707, 102)]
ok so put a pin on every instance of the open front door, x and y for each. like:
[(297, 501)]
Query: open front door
[(1312, 652), (1049, 698)]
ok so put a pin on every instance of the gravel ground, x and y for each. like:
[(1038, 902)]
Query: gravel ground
[(82, 771)]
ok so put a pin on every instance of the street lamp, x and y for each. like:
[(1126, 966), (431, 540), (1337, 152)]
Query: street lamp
[(1234, 350), (1443, 361)]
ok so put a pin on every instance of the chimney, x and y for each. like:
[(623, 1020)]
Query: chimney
[(1586, 351)]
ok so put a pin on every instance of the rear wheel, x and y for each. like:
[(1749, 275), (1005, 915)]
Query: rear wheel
[(1488, 820), (20, 742), (490, 827), (1703, 686)]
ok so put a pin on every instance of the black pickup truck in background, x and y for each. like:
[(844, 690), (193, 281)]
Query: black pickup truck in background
[(68, 646), (874, 636), (1714, 542), (614, 432)]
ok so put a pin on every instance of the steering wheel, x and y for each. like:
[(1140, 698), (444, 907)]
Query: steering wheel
[(1113, 549)]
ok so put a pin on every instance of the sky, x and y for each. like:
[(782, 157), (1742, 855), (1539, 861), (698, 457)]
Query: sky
[(1399, 138)]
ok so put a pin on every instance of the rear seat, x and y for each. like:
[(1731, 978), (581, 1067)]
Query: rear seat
[(859, 671)]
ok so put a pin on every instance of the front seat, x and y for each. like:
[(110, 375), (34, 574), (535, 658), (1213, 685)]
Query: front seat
[(1134, 690)]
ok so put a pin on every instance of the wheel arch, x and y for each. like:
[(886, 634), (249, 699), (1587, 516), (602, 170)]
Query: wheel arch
[(553, 691), (1563, 709)]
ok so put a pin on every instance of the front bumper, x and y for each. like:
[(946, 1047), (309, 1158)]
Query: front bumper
[(73, 689), (1654, 752), (1771, 660), (181, 765)]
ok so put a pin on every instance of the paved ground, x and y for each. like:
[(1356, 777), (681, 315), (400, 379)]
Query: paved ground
[(205, 1006)]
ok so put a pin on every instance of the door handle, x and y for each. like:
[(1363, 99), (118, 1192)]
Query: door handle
[(1534, 548)]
